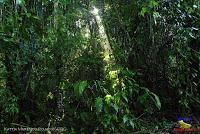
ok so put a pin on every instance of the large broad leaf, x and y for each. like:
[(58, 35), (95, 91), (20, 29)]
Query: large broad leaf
[(80, 87), (116, 107), (125, 118), (132, 124), (143, 98), (157, 100), (99, 104), (143, 11)]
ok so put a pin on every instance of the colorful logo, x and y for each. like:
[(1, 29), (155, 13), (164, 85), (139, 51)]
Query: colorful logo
[(185, 119), (183, 126)]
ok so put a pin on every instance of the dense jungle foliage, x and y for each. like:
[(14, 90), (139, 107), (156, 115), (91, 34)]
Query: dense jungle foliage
[(99, 66)]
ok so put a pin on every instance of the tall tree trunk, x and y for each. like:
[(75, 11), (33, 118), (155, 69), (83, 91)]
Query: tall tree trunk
[(108, 57)]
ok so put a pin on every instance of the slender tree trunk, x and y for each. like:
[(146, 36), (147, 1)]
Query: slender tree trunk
[(108, 56)]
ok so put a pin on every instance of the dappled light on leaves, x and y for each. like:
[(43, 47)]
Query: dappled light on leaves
[(79, 66)]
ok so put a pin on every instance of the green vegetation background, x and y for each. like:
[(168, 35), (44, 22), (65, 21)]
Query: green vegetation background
[(99, 66)]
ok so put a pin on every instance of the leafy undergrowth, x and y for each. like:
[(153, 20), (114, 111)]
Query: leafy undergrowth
[(99, 66)]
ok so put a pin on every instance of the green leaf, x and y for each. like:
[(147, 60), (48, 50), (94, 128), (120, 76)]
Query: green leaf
[(156, 14), (191, 35), (28, 15), (20, 2), (127, 72), (143, 11), (143, 98), (125, 97), (153, 3), (50, 96), (61, 85), (116, 107), (125, 118), (80, 87), (157, 100), (108, 98), (131, 123), (99, 104), (106, 120)]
